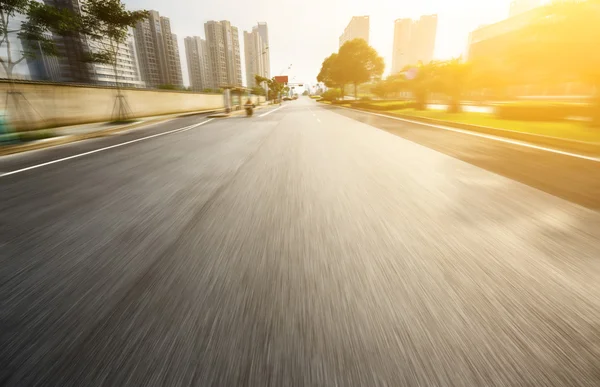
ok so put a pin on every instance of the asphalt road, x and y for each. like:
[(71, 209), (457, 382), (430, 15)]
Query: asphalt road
[(299, 248)]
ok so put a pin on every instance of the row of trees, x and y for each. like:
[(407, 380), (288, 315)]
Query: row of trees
[(449, 78), (354, 64), (558, 46), (105, 23)]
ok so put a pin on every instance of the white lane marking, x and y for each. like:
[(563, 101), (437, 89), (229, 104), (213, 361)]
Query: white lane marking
[(186, 128), (271, 111), (318, 120), (488, 136)]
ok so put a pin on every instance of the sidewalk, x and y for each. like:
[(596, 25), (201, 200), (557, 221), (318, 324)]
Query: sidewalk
[(68, 134)]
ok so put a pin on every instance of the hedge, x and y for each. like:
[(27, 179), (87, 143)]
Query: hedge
[(384, 106), (537, 111)]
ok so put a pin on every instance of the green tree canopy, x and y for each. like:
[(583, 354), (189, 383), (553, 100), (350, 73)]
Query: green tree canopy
[(452, 79), (41, 21), (275, 88), (359, 62), (107, 23), (356, 63), (331, 74)]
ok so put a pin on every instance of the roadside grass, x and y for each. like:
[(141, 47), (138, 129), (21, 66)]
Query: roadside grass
[(571, 130), (26, 136)]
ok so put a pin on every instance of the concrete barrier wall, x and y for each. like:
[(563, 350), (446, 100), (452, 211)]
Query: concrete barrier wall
[(47, 105)]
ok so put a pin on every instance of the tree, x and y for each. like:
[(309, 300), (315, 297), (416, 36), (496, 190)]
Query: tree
[(561, 44), (359, 62), (257, 90), (451, 79), (41, 22), (356, 63), (275, 88), (419, 80), (106, 24), (334, 74)]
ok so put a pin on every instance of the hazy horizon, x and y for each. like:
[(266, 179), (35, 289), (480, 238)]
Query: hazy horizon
[(304, 33)]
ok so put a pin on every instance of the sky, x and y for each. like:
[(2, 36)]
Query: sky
[(303, 32)]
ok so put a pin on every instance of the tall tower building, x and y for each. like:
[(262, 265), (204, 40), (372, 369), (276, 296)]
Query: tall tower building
[(263, 31), (518, 7), (358, 28), (402, 55), (158, 51), (425, 34), (256, 52), (414, 41), (224, 52), (73, 51), (196, 53)]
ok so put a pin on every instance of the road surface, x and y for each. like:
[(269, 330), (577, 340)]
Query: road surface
[(305, 246)]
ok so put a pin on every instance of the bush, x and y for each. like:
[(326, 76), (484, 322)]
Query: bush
[(331, 95), (541, 111), (34, 135), (385, 105)]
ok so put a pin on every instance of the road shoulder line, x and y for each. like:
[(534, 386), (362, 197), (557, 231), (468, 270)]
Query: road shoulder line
[(103, 149), (482, 135)]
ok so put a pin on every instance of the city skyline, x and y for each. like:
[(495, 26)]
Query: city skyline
[(307, 61), (291, 42)]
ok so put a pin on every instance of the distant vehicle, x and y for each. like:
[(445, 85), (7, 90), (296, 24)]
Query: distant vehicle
[(287, 99), (295, 96)]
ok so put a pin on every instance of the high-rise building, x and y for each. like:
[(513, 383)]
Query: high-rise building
[(72, 50), (358, 28), (37, 65), (128, 71), (424, 39), (263, 30), (486, 40), (256, 52), (402, 52), (196, 53), (414, 41), (518, 7), (71, 66), (223, 44), (158, 51)]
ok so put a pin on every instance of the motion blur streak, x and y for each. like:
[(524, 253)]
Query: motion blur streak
[(280, 251), (490, 137), (104, 149)]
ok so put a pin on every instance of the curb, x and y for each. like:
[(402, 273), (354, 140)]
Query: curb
[(62, 140), (52, 142), (590, 148), (538, 139)]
